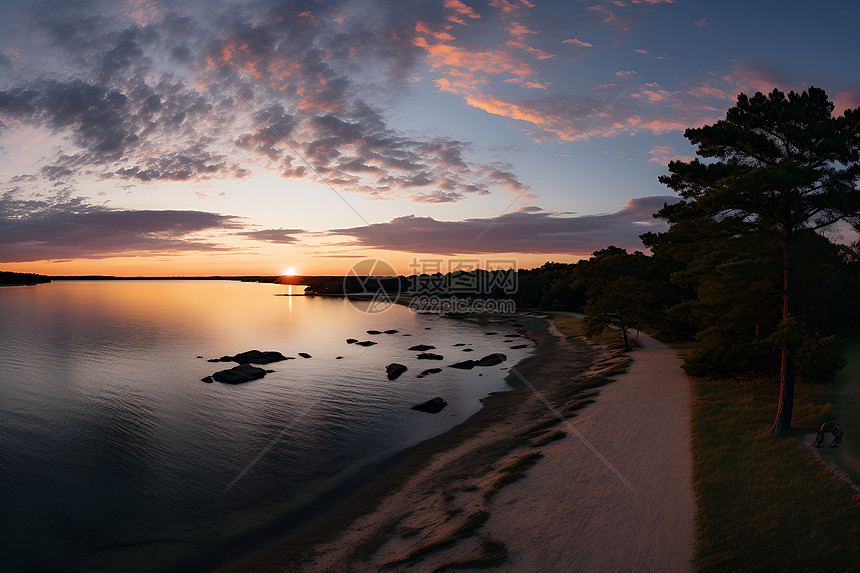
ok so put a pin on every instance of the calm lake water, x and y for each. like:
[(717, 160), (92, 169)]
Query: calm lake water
[(114, 455)]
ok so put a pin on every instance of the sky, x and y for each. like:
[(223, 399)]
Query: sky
[(159, 138)]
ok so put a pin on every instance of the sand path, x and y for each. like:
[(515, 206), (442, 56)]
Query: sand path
[(573, 513)]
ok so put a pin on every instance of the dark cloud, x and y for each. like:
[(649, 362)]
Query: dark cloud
[(42, 230), (527, 230), (282, 236)]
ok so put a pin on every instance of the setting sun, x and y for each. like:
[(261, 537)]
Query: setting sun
[(289, 271)]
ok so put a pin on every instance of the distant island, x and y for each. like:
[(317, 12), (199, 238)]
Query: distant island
[(8, 278)]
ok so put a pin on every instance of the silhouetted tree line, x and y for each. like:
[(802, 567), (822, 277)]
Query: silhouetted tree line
[(747, 267)]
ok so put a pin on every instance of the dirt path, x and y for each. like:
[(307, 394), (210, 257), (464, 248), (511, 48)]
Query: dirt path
[(573, 513)]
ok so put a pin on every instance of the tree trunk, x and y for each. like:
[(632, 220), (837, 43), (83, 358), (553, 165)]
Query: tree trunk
[(624, 331), (782, 423)]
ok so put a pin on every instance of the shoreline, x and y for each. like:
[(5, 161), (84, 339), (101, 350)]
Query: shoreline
[(547, 367)]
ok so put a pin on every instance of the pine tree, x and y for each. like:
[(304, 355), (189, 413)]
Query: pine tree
[(780, 165)]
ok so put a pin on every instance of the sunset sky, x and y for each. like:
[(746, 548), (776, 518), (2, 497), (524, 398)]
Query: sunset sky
[(193, 138)]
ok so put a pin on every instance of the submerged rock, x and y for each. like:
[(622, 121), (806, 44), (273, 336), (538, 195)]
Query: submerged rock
[(394, 370), (365, 343), (304, 355), (429, 371), (465, 365), (432, 406), (422, 347), (492, 359), (429, 356), (238, 374)]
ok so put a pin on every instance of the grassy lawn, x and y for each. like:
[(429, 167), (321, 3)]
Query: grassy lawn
[(765, 504)]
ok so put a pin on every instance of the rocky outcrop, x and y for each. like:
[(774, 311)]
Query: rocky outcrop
[(429, 356), (394, 370), (429, 371), (254, 357), (422, 347), (492, 359), (237, 374), (432, 406)]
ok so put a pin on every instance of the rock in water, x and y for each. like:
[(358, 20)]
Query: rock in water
[(433, 406), (429, 356), (392, 331), (394, 370), (429, 371), (351, 340), (465, 365), (492, 359), (365, 343), (239, 374), (468, 350), (374, 332), (518, 346), (422, 347), (254, 357), (304, 355), (460, 344)]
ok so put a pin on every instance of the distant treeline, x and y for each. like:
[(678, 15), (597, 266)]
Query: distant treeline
[(10, 278)]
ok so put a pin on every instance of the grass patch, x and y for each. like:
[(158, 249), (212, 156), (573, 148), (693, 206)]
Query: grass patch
[(544, 440), (493, 554), (572, 327), (764, 503), (512, 471)]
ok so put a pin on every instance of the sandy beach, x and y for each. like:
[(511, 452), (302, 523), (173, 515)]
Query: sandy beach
[(606, 488)]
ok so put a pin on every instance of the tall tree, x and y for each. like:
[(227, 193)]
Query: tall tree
[(779, 164), (613, 281)]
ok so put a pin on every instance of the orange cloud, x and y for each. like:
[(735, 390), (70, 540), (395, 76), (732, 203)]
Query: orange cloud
[(491, 61), (518, 30), (541, 55), (461, 8), (663, 154), (498, 107), (509, 6)]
